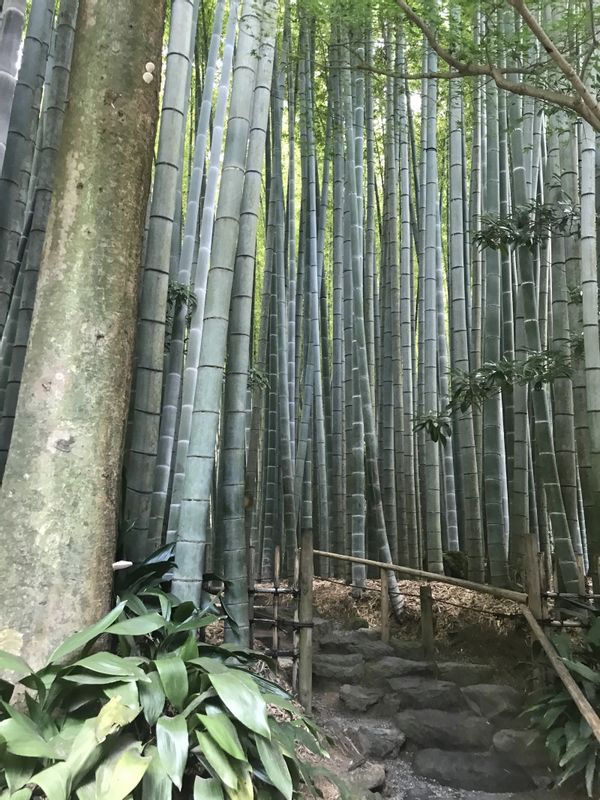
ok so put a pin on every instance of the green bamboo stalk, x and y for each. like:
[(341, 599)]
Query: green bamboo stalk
[(193, 524), (145, 423)]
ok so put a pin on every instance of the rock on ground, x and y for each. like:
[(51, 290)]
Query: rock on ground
[(494, 701), (445, 729), (480, 771)]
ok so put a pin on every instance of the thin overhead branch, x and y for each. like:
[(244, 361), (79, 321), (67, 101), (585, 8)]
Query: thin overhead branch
[(565, 67), (583, 105)]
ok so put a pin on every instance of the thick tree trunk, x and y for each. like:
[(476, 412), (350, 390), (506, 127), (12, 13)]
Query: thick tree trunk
[(58, 500)]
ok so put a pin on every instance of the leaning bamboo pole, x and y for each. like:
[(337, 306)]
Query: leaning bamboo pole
[(495, 591)]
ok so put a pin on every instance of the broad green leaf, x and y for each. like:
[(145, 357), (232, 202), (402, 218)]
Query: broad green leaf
[(173, 676), (195, 622), (593, 635), (156, 784), (197, 700), (245, 788), (583, 670), (173, 744), (217, 759), (55, 781), (91, 679), (138, 626), (184, 611), (128, 692), (12, 663), (22, 794), (210, 665), (118, 776), (223, 731), (87, 791), (275, 766), (551, 716), (6, 690), (573, 750), (17, 770), (23, 740), (114, 715), (110, 664), (79, 640), (152, 698), (207, 789), (85, 751), (590, 772), (243, 699)]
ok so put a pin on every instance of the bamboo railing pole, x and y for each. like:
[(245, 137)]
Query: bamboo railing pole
[(495, 591), (582, 703)]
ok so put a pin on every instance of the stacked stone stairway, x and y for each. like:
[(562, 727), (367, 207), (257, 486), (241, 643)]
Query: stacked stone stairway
[(453, 723)]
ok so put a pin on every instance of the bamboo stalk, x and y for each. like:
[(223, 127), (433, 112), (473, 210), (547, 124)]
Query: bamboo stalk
[(495, 591), (587, 711)]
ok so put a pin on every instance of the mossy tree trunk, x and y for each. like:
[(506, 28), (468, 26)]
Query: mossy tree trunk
[(59, 496)]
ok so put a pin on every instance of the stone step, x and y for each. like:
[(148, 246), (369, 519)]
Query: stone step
[(525, 747), (427, 793), (486, 772), (464, 673), (410, 692), (496, 702), (346, 668), (389, 668), (447, 730)]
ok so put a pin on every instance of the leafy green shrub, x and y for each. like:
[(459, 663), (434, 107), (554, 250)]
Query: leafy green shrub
[(569, 739), (160, 715)]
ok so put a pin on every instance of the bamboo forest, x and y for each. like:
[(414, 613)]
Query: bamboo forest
[(286, 271)]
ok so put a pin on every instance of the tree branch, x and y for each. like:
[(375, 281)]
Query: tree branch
[(565, 67), (573, 103)]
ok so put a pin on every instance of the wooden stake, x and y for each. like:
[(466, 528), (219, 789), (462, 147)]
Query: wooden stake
[(534, 585), (276, 571), (427, 632), (305, 618), (385, 607), (296, 642)]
